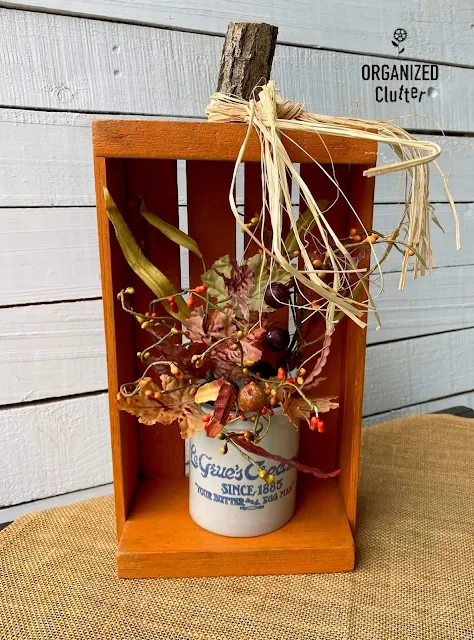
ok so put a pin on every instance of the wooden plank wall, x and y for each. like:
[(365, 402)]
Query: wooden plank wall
[(160, 59)]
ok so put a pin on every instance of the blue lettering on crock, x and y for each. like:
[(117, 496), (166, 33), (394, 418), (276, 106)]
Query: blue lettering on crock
[(206, 467)]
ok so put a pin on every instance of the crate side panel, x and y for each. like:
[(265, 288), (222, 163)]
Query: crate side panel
[(361, 196), (320, 449), (161, 448), (211, 222), (119, 338)]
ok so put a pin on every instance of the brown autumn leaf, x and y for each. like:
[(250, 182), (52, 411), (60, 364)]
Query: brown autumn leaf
[(147, 409), (294, 407), (176, 404)]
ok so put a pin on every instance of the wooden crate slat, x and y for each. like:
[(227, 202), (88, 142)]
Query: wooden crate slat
[(216, 141), (317, 539), (361, 197), (321, 449), (119, 339), (210, 220), (161, 448)]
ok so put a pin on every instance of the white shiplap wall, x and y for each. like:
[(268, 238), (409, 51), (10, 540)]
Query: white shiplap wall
[(158, 59)]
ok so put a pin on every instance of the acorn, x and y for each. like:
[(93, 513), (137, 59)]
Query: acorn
[(252, 397), (277, 339), (276, 295)]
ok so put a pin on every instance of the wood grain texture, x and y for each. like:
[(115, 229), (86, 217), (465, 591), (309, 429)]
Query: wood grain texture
[(134, 69), (405, 373), (51, 253), (53, 448), (360, 193), (428, 305), (61, 332), (216, 141), (464, 399), (50, 351), (160, 448), (160, 539), (48, 162), (48, 254), (8, 514), (436, 31), (321, 450), (119, 338)]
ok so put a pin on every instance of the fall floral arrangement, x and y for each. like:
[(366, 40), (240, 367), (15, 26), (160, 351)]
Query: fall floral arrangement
[(221, 352)]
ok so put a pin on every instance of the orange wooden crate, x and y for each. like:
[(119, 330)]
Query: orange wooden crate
[(157, 537)]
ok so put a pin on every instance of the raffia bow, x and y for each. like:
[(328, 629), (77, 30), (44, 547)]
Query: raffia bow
[(272, 117)]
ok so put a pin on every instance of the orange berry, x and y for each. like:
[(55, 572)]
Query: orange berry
[(281, 373), (190, 302), (320, 426), (206, 417), (174, 307), (170, 299), (157, 395), (353, 232), (119, 396), (201, 289), (313, 423), (317, 263), (356, 238)]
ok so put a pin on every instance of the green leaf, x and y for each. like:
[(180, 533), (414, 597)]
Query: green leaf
[(224, 266), (171, 232), (151, 275), (304, 224), (215, 285)]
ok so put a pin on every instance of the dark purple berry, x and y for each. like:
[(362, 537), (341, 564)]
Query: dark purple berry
[(277, 339), (276, 295), (265, 369)]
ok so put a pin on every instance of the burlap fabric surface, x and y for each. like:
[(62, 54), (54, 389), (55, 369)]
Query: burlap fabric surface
[(414, 577)]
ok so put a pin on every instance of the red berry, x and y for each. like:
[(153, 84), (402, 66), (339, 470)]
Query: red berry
[(206, 417), (320, 426), (264, 411), (190, 301), (313, 423), (281, 373), (290, 380), (174, 307), (200, 289)]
